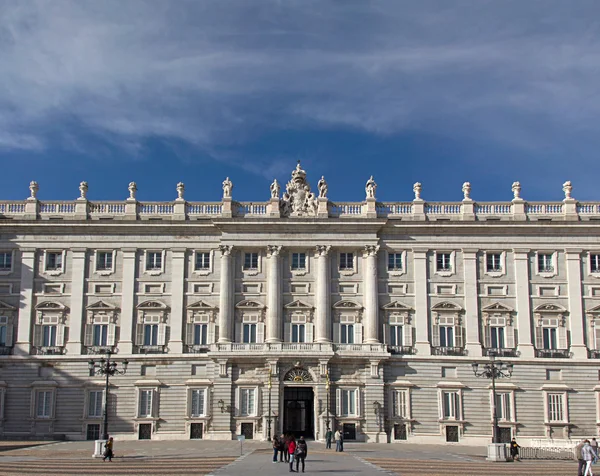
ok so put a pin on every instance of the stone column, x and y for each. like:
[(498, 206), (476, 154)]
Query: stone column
[(422, 345), (322, 294), (371, 294), (24, 329), (525, 344), (226, 296), (178, 314), (274, 294), (473, 341), (576, 314), (77, 313), (128, 316)]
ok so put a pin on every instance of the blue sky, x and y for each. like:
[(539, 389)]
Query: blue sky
[(435, 91)]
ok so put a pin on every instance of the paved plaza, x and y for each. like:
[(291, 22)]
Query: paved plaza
[(226, 458)]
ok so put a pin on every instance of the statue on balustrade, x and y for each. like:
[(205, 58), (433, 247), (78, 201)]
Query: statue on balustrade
[(298, 200), (370, 188), (275, 188), (227, 186), (322, 186)]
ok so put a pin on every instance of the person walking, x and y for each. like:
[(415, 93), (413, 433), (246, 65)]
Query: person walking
[(337, 436), (276, 446), (291, 451), (514, 450), (301, 453), (579, 458), (281, 448), (108, 450), (594, 444), (341, 441), (589, 455), (328, 436), (286, 449)]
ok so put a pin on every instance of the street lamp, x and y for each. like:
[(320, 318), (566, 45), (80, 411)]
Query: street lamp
[(108, 368), (327, 409), (269, 417), (493, 370)]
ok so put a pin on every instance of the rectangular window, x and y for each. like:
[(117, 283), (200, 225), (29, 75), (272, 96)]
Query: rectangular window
[(298, 333), (494, 262), (395, 262), (5, 260), (595, 263), (451, 405), (95, 403), (400, 401), (100, 334), (545, 264), (54, 261), (346, 260), (443, 262), (549, 336), (555, 407), (250, 261), (43, 404), (249, 336), (446, 336), (396, 335), (3, 331), (146, 403), (48, 336), (347, 334), (247, 401), (200, 334), (298, 261), (202, 261), (197, 403), (104, 261), (154, 261), (497, 337), (348, 402), (503, 406), (150, 334)]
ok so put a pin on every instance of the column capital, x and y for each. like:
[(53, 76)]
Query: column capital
[(370, 250), (470, 253), (274, 250), (225, 250), (573, 253), (521, 253), (322, 250)]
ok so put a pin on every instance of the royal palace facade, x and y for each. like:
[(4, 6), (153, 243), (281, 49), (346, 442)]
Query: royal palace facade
[(298, 313)]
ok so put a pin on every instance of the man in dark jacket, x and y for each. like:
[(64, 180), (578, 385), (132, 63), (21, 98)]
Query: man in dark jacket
[(301, 453), (579, 458)]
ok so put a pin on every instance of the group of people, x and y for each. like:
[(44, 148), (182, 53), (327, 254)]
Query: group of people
[(586, 453), (290, 451), (338, 437)]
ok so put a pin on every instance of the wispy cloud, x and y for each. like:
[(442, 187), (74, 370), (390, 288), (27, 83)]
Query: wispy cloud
[(214, 73)]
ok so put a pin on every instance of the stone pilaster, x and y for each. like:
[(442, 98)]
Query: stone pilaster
[(274, 317), (177, 318), (422, 344), (226, 295), (371, 294), (24, 333), (323, 305), (576, 314), (525, 344), (473, 341), (77, 313), (128, 316)]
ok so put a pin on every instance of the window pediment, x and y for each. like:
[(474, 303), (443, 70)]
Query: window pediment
[(497, 307), (247, 304), (201, 306), (152, 306), (298, 305), (594, 312), (347, 305), (396, 306), (446, 306), (6, 307), (51, 306), (545, 308), (101, 306)]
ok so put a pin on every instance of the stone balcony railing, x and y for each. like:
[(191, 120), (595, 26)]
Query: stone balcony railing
[(294, 347), (417, 210)]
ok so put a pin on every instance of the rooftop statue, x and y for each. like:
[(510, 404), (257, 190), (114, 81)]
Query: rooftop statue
[(322, 186), (298, 200), (370, 188), (275, 189), (227, 186)]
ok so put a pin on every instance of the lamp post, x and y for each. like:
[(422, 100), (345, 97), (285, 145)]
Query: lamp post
[(327, 408), (269, 417), (108, 368), (493, 370)]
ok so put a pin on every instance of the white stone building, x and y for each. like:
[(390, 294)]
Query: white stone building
[(373, 311)]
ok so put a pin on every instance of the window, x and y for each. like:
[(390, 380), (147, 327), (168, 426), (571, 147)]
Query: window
[(400, 404), (395, 262), (549, 338), (104, 261), (446, 336), (251, 261), (197, 402), (95, 403), (100, 334), (493, 262), (202, 261), (451, 405), (504, 406), (247, 407), (145, 408), (54, 261), (200, 334), (443, 262), (298, 261), (49, 336), (6, 261), (346, 260), (298, 333), (346, 333), (595, 263), (43, 404), (6, 332), (154, 261), (497, 337), (249, 333), (150, 334), (396, 335), (348, 402), (555, 407), (545, 263)]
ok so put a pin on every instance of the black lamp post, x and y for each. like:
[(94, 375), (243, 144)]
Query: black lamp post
[(269, 417), (492, 370), (108, 368), (327, 409)]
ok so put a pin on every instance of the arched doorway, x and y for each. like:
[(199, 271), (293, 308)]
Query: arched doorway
[(298, 403)]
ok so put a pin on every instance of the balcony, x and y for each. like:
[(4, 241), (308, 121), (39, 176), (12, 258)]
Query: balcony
[(99, 349), (50, 350), (594, 354), (5, 350), (454, 351), (198, 349), (553, 353), (272, 347), (151, 349), (401, 349), (500, 352)]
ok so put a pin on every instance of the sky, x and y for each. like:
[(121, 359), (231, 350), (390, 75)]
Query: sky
[(435, 91)]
